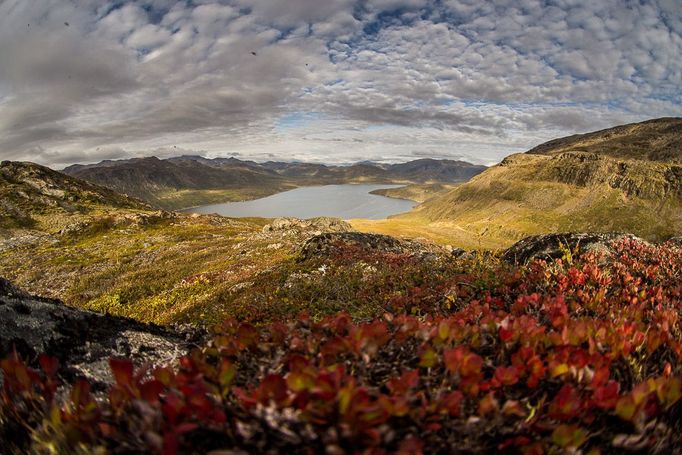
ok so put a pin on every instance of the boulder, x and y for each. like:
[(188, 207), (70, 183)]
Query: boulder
[(321, 224), (554, 246), (324, 245), (83, 341)]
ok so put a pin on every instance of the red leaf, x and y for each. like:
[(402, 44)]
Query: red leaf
[(507, 375), (453, 403), (273, 387), (567, 404), (122, 370), (151, 390), (411, 445), (50, 365), (607, 396), (488, 404), (506, 335)]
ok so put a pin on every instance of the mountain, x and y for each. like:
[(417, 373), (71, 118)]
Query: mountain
[(181, 182), (656, 140), (627, 178), (191, 180), (30, 192)]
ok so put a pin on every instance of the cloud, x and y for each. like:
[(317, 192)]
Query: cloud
[(385, 79)]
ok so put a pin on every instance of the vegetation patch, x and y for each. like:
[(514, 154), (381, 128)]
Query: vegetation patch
[(581, 353)]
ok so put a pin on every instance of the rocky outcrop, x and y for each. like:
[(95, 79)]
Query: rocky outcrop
[(319, 224), (553, 246), (83, 341), (325, 245)]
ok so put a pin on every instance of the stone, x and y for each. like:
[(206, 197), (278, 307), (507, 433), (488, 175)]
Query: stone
[(319, 224), (553, 246), (324, 245), (83, 341)]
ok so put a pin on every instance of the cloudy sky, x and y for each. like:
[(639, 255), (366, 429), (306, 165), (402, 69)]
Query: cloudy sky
[(327, 80)]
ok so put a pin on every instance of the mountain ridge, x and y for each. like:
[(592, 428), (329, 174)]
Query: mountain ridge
[(609, 181), (187, 181), (657, 139)]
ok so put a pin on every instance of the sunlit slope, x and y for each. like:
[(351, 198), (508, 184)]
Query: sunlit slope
[(627, 178), (656, 140)]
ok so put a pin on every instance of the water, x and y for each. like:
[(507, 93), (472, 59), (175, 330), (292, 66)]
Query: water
[(342, 201)]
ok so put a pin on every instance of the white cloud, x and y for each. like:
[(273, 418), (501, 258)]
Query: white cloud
[(457, 77)]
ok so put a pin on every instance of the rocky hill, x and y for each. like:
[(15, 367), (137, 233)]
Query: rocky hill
[(655, 140), (181, 182), (626, 178), (193, 180), (30, 194)]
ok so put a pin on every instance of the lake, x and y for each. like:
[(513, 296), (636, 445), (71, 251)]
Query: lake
[(341, 201)]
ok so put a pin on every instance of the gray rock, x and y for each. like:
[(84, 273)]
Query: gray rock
[(320, 224), (553, 246), (324, 245), (83, 341)]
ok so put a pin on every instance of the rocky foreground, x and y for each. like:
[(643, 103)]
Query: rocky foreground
[(562, 344)]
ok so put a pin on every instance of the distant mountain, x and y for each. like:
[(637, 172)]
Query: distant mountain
[(29, 191), (428, 170), (165, 183), (194, 180), (626, 179)]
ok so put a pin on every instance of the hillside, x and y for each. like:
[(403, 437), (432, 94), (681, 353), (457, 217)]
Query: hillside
[(31, 194), (656, 140), (181, 182), (193, 180), (299, 335), (601, 181)]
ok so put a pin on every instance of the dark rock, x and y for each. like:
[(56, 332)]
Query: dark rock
[(83, 341), (324, 245), (458, 252), (553, 246)]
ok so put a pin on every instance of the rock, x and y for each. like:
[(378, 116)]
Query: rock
[(324, 245), (553, 246), (83, 341), (458, 252), (319, 224)]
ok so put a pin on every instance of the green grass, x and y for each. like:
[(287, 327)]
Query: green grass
[(156, 272)]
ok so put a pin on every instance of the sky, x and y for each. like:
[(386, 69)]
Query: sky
[(333, 81)]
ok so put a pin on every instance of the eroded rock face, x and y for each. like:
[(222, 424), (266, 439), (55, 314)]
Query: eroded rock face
[(83, 341), (325, 244), (553, 246), (321, 224)]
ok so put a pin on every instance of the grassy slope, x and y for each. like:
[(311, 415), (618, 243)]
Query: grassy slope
[(562, 189), (418, 192), (181, 269), (526, 196), (658, 140)]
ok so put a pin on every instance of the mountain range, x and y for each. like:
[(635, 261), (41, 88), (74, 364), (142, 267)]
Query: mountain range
[(188, 181)]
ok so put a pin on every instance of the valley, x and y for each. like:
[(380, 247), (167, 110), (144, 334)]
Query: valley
[(190, 181), (435, 318)]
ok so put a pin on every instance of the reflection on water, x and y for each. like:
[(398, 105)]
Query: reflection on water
[(342, 201)]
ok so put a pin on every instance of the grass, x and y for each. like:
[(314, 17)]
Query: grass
[(533, 194), (161, 272)]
